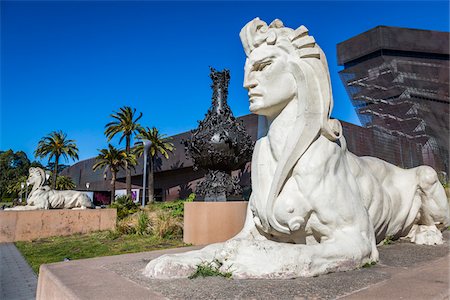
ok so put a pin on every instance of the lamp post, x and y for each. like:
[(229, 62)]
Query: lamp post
[(87, 190), (147, 145), (26, 191), (21, 191)]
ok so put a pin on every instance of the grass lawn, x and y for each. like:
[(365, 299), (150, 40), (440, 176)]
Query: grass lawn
[(79, 246)]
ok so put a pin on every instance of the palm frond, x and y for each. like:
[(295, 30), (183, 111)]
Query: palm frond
[(125, 122), (113, 158), (56, 144), (161, 144)]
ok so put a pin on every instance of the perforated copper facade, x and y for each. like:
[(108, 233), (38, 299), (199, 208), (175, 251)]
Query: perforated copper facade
[(398, 82)]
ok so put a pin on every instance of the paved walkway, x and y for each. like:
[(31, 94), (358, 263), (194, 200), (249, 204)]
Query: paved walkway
[(17, 279), (405, 271)]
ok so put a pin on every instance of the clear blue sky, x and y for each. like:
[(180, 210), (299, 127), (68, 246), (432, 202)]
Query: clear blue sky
[(68, 65)]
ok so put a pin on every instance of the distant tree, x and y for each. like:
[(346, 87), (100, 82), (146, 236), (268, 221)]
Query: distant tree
[(127, 124), (15, 187), (54, 146), (160, 145), (13, 165), (114, 159)]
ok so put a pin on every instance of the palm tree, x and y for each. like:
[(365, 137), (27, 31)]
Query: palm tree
[(125, 123), (114, 159), (160, 145), (65, 183), (56, 145)]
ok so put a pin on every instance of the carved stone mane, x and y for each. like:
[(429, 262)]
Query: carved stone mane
[(36, 178)]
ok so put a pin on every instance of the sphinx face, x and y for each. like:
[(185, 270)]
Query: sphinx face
[(32, 176), (269, 81)]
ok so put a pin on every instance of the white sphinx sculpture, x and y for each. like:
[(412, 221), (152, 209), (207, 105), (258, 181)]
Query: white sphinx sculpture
[(315, 207), (43, 197)]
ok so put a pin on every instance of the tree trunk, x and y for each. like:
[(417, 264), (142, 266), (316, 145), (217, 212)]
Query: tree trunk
[(55, 171), (151, 186), (128, 170), (113, 188)]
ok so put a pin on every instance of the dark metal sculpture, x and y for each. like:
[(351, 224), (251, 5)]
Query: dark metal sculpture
[(220, 144)]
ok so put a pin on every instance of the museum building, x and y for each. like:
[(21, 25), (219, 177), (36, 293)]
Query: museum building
[(398, 82)]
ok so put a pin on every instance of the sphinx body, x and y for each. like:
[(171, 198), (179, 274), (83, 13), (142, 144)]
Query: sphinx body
[(315, 207), (43, 197)]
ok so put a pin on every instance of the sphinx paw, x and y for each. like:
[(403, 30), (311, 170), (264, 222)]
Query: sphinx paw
[(425, 235), (170, 267)]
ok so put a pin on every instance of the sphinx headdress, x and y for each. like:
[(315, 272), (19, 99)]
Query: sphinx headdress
[(298, 41), (314, 93)]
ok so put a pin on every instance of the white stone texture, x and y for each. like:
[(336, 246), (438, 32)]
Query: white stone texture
[(315, 207)]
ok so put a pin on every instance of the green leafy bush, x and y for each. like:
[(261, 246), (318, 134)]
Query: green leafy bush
[(143, 223), (125, 206), (126, 201), (190, 198), (176, 208), (126, 226), (166, 226)]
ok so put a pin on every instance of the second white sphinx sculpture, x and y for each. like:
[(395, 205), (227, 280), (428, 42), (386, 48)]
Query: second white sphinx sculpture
[(315, 207), (43, 197)]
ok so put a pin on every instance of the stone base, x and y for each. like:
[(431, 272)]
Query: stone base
[(212, 222), (406, 271), (31, 225)]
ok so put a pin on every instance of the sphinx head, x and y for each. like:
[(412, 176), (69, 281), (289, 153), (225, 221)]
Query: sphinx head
[(283, 65), (36, 175)]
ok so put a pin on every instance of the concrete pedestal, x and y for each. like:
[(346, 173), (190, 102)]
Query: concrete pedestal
[(31, 225), (212, 222)]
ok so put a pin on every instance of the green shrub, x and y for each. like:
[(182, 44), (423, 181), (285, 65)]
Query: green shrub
[(190, 198), (125, 206), (212, 268), (166, 226), (126, 226), (176, 208), (142, 223)]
